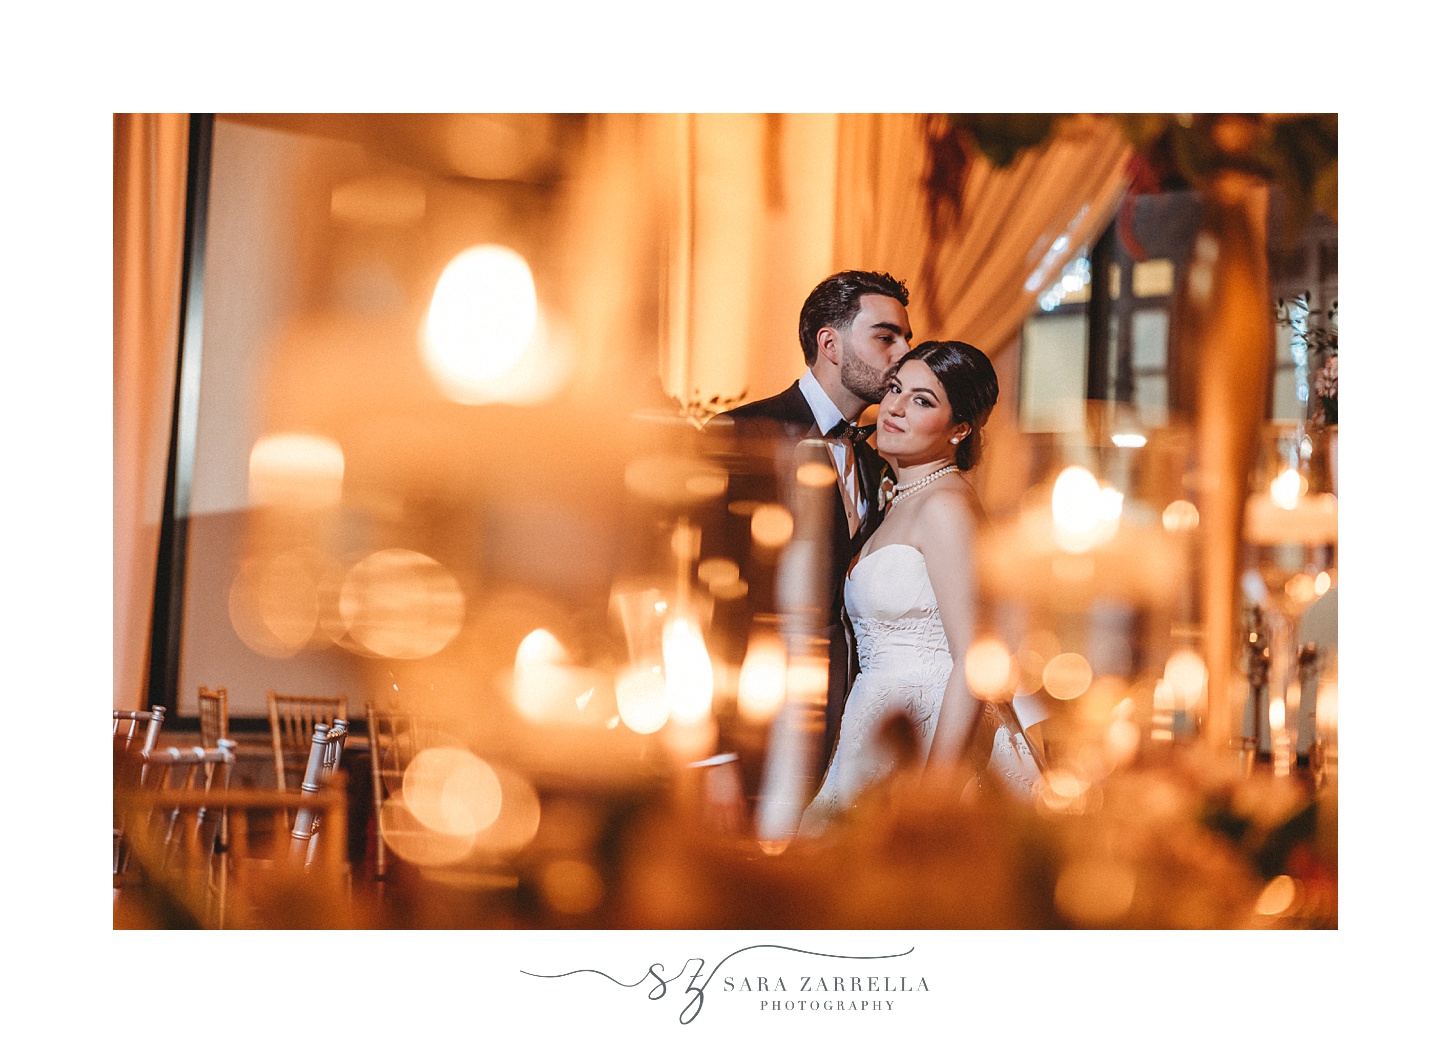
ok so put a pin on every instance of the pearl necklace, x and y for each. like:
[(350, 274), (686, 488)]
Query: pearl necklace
[(903, 491)]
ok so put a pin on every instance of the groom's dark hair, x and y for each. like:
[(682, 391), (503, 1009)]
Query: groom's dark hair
[(836, 301)]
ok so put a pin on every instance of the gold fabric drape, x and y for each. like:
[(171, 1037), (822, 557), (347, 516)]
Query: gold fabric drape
[(1017, 228), (150, 156), (746, 202)]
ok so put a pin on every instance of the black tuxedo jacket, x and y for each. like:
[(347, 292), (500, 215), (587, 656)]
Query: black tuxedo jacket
[(788, 417)]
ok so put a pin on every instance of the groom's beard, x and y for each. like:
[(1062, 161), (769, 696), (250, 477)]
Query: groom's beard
[(860, 379)]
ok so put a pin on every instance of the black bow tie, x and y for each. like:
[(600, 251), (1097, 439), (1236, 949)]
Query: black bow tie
[(856, 435)]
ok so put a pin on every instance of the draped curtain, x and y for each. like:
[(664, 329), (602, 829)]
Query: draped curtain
[(758, 209), (150, 156), (999, 244)]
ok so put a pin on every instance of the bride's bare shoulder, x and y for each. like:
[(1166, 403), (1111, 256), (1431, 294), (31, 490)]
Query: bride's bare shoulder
[(949, 512)]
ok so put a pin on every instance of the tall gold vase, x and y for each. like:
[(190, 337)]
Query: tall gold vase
[(1229, 341)]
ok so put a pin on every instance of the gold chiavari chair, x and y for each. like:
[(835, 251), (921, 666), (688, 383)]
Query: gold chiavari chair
[(134, 733), (322, 763), (293, 719), (267, 885), (177, 845), (394, 739), (212, 714)]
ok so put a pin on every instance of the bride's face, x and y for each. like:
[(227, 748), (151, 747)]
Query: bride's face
[(914, 424)]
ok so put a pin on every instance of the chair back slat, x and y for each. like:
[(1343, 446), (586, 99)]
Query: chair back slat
[(394, 739), (293, 719), (262, 885), (212, 715), (181, 842)]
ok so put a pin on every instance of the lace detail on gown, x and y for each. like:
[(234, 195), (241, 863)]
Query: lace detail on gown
[(905, 662)]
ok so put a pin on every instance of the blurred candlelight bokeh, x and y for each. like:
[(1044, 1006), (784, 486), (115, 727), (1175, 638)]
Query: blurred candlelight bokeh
[(450, 456)]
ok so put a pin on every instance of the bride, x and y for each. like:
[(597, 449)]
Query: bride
[(911, 591)]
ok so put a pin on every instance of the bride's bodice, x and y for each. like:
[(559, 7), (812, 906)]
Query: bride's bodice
[(894, 615)]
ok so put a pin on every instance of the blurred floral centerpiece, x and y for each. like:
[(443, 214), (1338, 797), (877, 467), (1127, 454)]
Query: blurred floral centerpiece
[(1321, 336)]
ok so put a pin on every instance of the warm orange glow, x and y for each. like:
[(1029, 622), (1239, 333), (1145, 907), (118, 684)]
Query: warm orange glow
[(1187, 676), (1067, 676), (1121, 740), (519, 812), (540, 646), (762, 686), (1084, 513), (382, 200), (1327, 706), (1066, 784), (546, 686), (276, 604), (493, 147), (1277, 897), (1301, 589), (1122, 736), (685, 541), (1181, 516), (413, 842), (1033, 654), (816, 475), (689, 675), (772, 525), (1030, 670), (1076, 500), (450, 790), (401, 604), (642, 699), (480, 321), (1287, 488), (991, 672), (806, 678), (1277, 713), (1043, 642), (1072, 570), (1307, 518), (571, 886), (1094, 892), (733, 591), (539, 374), (673, 479), (717, 571), (1322, 583), (690, 740), (295, 470)]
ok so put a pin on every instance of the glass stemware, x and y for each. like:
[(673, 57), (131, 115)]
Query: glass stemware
[(1291, 526)]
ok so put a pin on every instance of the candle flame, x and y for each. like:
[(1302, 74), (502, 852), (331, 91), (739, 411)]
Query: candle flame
[(1287, 489), (1076, 500), (689, 676), (480, 321), (762, 686)]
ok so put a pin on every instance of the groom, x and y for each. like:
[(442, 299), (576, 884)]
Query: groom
[(853, 328)]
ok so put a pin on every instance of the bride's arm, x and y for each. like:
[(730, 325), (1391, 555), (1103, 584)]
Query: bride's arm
[(948, 546)]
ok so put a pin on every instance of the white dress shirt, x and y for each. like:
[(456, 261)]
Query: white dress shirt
[(843, 454)]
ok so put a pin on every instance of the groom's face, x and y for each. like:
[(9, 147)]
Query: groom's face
[(876, 339)]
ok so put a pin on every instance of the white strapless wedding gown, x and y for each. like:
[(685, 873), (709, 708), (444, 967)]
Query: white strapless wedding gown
[(904, 659)]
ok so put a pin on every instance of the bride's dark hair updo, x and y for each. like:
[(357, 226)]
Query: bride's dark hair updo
[(971, 384)]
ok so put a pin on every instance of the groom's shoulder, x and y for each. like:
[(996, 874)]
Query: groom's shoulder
[(787, 409)]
